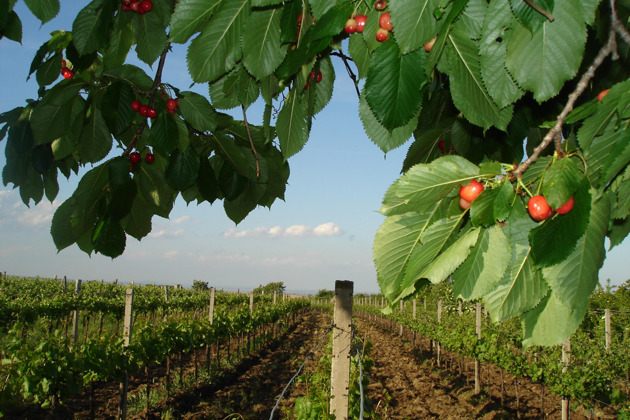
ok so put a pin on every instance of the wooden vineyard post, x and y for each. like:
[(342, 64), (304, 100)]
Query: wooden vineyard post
[(211, 319), (439, 319), (65, 284), (127, 326), (75, 317), (477, 362), (251, 313), (566, 356), (342, 343), (164, 310), (414, 318), (607, 328)]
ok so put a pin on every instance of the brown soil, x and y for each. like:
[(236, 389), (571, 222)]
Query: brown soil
[(405, 382)]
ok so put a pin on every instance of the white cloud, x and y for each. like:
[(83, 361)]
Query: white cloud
[(296, 231), (167, 234), (14, 211), (180, 220)]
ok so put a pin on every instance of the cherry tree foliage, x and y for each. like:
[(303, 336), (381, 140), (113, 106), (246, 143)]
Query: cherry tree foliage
[(515, 114)]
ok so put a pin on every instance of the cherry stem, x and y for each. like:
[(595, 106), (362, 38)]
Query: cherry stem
[(353, 76), (540, 10), (251, 141), (156, 82), (556, 130)]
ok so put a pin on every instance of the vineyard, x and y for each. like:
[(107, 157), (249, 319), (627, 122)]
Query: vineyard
[(69, 350)]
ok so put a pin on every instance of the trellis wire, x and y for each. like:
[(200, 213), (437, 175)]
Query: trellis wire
[(356, 346), (310, 354)]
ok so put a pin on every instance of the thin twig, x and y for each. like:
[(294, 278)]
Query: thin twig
[(581, 86), (251, 141), (157, 80), (540, 10), (617, 25), (353, 76)]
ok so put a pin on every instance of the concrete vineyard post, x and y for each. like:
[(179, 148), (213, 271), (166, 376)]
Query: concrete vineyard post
[(566, 357), (275, 297), (477, 362), (342, 343), (251, 312), (607, 328), (459, 308), (439, 319), (75, 317), (211, 310), (65, 284), (127, 327)]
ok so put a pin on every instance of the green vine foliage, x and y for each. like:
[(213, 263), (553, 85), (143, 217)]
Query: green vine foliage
[(488, 102)]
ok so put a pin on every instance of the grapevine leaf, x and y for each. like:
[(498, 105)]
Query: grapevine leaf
[(485, 265), (554, 240), (218, 48), (393, 86), (422, 186), (292, 125), (522, 287), (543, 60), (262, 50), (467, 87)]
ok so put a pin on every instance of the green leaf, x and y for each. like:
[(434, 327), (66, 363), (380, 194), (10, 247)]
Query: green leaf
[(619, 157), (262, 50), (116, 109), (48, 72), (550, 323), (492, 205), (360, 54), (621, 187), (422, 186), (164, 133), (189, 16), (238, 208), (493, 52), (467, 87), (122, 199), (96, 140), (90, 29), (13, 29), (528, 16), (44, 10), (50, 121), (120, 43), (393, 86), (132, 74), (197, 111), (154, 189), (379, 135), (619, 230), (413, 22), (560, 181), (450, 258), (111, 239), (601, 150), (150, 37), (207, 181), (522, 287), (248, 89), (182, 169), (224, 91), (485, 265), (471, 19), (554, 239), (218, 48), (138, 222), (543, 60), (292, 125)]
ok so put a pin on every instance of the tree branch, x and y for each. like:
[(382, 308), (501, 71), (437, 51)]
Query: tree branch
[(581, 86), (251, 141), (540, 10), (353, 76)]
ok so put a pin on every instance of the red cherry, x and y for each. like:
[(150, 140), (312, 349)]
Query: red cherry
[(464, 204), (471, 191), (384, 21), (144, 110), (125, 6), (135, 157), (146, 5), (67, 73), (135, 105), (382, 35), (64, 64), (601, 95), (151, 113), (441, 146), (149, 158), (566, 207), (171, 104), (351, 26), (539, 208), (429, 45), (299, 19), (319, 77), (135, 6), (380, 5), (361, 20)]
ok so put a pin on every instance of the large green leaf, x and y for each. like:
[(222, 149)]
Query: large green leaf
[(262, 50), (138, 222), (164, 133), (543, 60), (110, 239), (380, 136), (120, 43), (560, 181), (493, 52), (492, 205), (485, 265), (393, 86), (96, 139), (555, 239), (526, 14), (218, 48), (44, 10), (182, 169), (292, 125), (50, 121), (154, 189), (150, 37), (467, 88), (360, 54), (522, 287), (414, 23), (422, 186), (90, 29), (471, 19), (197, 111), (189, 16)]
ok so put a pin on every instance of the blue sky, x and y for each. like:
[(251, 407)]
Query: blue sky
[(322, 232)]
